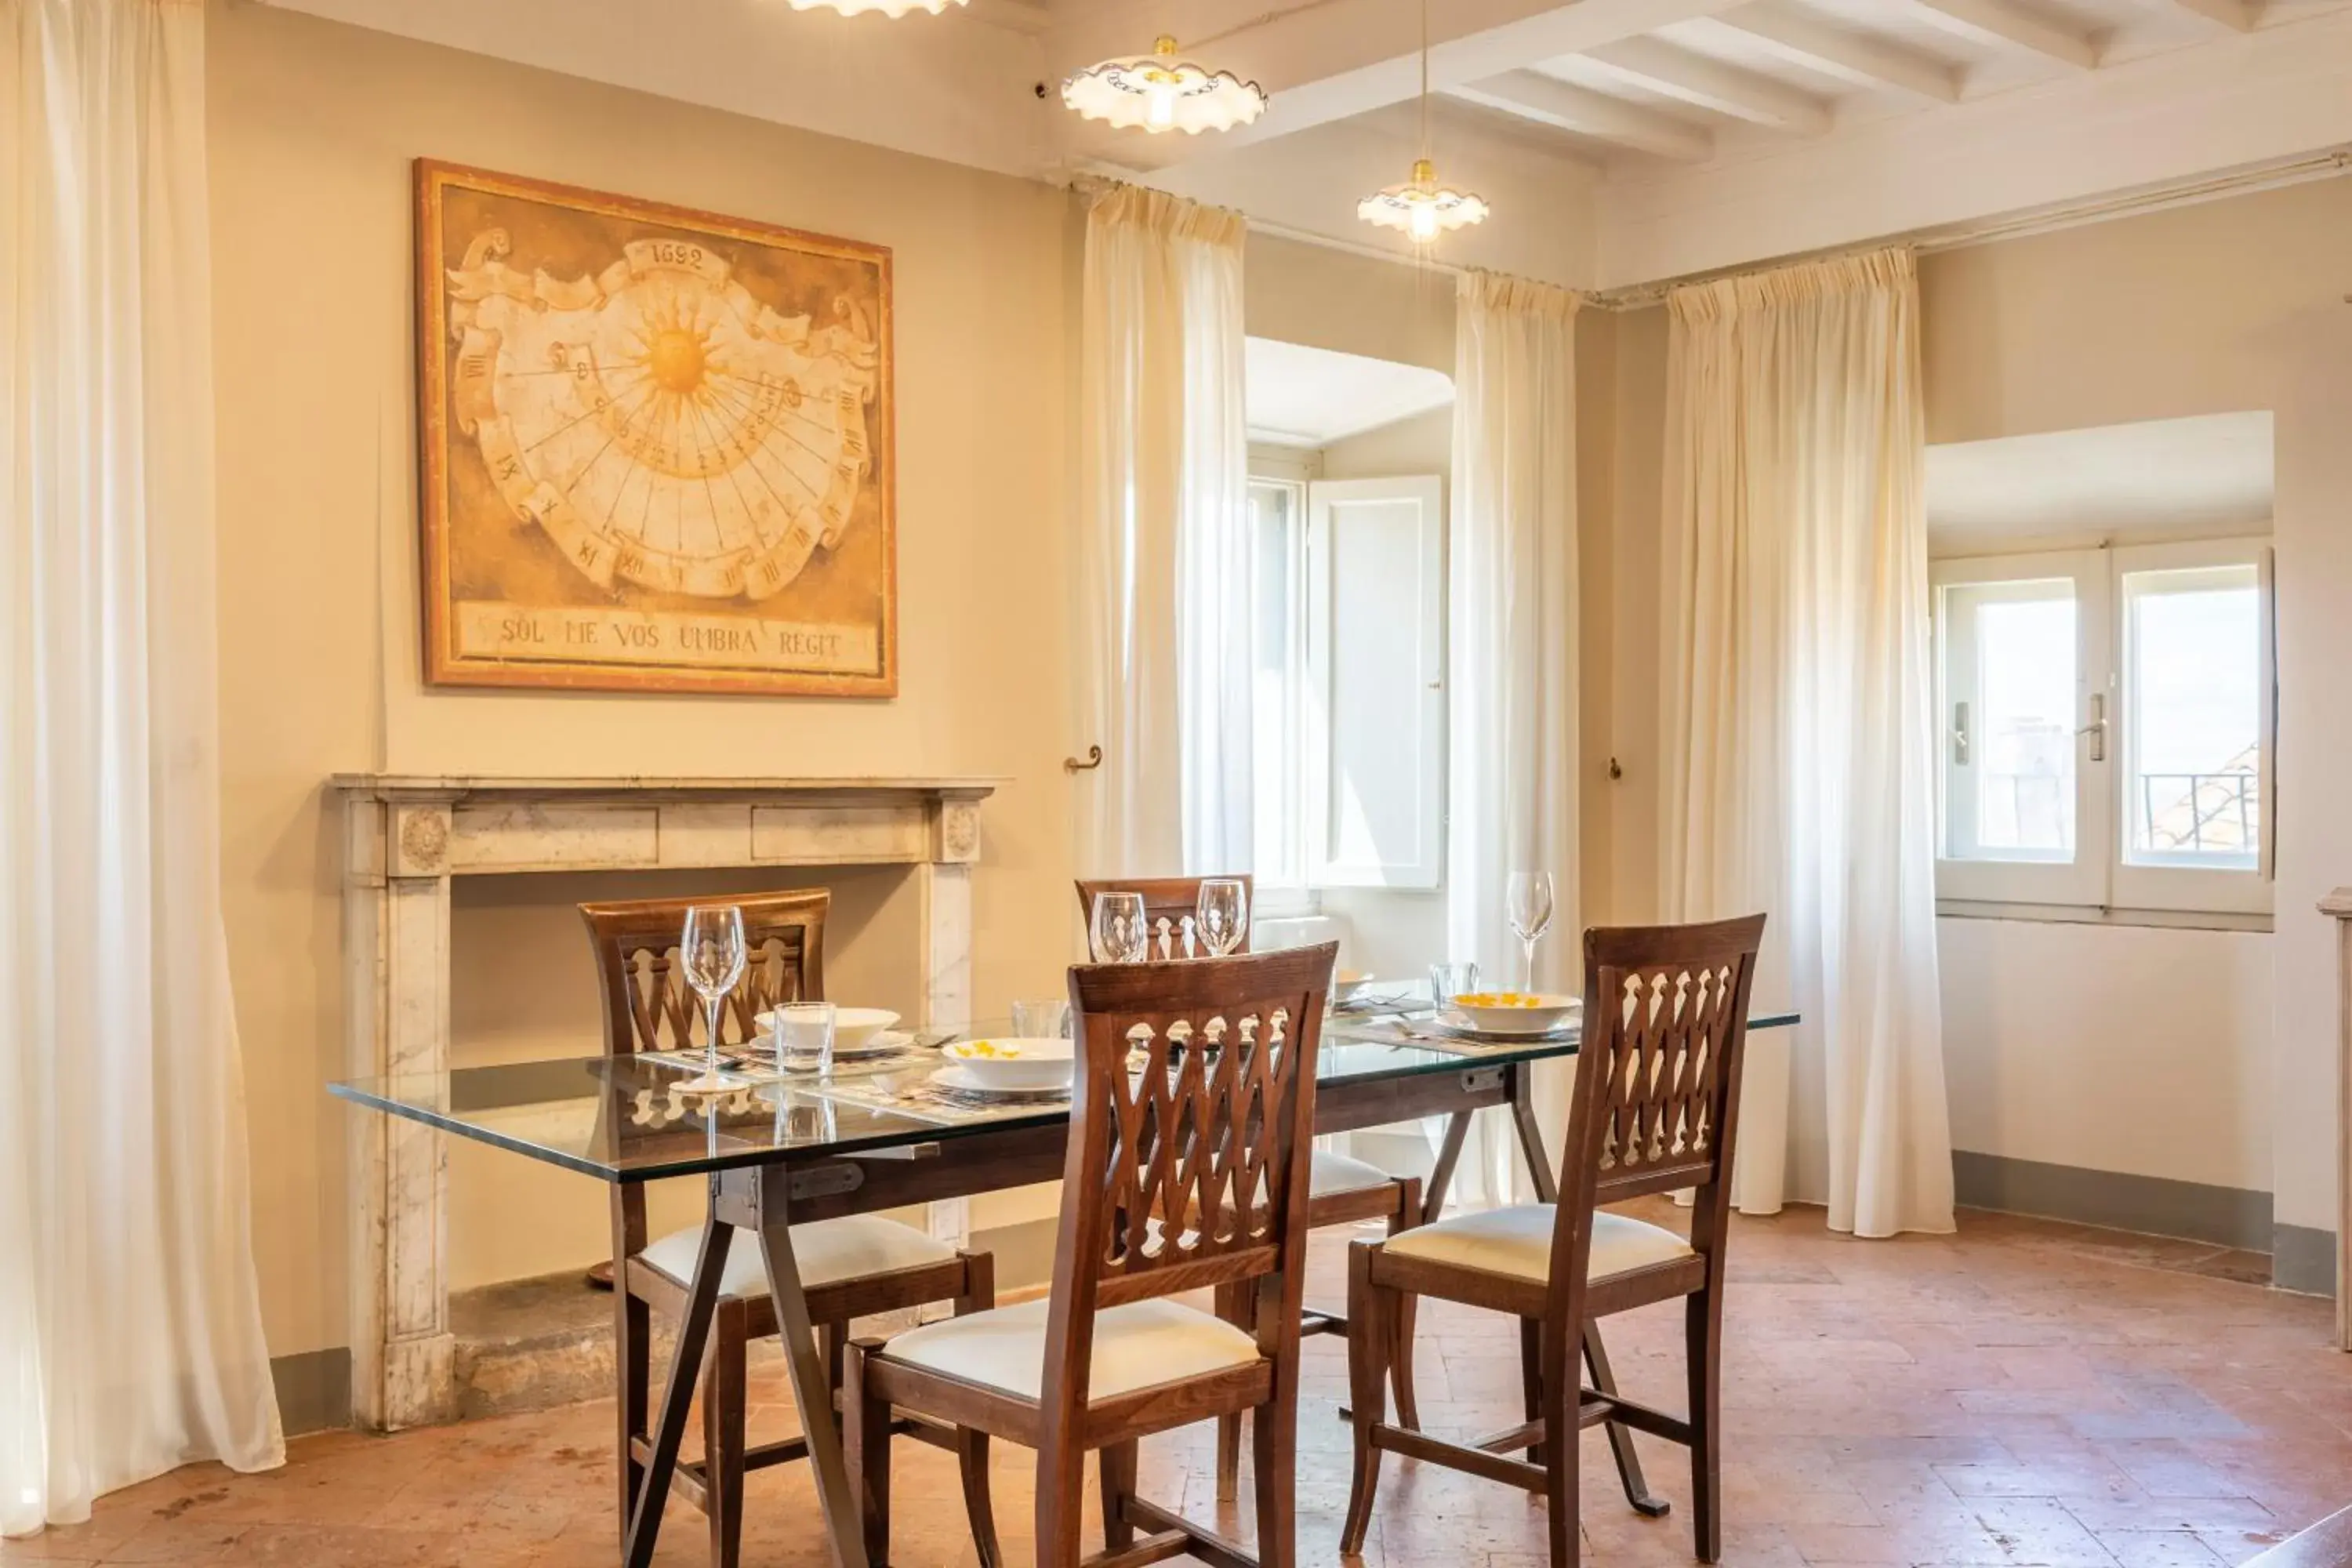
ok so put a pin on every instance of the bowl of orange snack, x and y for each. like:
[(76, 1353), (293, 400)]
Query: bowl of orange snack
[(1012, 1063), (1515, 1012)]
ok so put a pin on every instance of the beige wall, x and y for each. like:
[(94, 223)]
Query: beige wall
[(2230, 305), (2227, 1038), (312, 128)]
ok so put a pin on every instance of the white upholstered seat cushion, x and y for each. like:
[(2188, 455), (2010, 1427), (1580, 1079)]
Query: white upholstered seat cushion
[(1334, 1173), (1516, 1241), (1136, 1346), (829, 1251)]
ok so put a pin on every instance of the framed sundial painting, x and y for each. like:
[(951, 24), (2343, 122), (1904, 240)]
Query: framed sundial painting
[(656, 445)]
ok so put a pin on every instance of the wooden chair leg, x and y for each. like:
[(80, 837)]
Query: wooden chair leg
[(1061, 1478), (1232, 1304), (833, 1349), (866, 1444), (723, 1401), (1531, 1384), (972, 1446), (1274, 1458), (1407, 1404), (633, 1371), (1562, 1520), (1703, 1344), (1118, 1464), (971, 1459), (1371, 1319)]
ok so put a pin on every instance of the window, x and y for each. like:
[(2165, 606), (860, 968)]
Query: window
[(1348, 701), (2107, 721)]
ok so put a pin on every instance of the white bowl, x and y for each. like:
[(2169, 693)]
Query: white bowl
[(854, 1028), (1348, 983), (1515, 1012), (1014, 1063)]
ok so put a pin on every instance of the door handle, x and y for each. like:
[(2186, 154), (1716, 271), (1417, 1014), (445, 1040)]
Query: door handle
[(1961, 735), (2097, 728)]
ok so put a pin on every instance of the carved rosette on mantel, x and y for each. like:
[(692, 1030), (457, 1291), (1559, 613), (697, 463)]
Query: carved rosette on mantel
[(405, 836)]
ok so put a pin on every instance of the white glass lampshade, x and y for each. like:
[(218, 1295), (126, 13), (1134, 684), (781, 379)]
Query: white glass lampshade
[(1422, 207), (887, 7), (1162, 91)]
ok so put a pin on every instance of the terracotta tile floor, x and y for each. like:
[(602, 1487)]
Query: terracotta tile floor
[(2024, 1393)]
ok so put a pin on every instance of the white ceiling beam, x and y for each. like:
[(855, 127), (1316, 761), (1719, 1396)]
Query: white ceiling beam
[(1850, 56), (2003, 23), (2238, 16), (1712, 85), (1335, 60), (1547, 100)]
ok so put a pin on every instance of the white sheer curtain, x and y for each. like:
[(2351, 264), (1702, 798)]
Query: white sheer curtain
[(130, 1324), (1164, 537), (1512, 797), (1800, 750)]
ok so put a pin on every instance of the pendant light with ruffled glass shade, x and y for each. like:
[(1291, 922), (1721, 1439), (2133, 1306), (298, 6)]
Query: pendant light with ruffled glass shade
[(1421, 206), (1163, 91)]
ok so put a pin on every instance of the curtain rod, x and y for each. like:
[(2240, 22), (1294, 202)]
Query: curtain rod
[(1092, 182), (2013, 226)]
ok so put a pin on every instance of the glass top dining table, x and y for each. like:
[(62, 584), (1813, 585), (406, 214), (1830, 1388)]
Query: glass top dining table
[(629, 1118)]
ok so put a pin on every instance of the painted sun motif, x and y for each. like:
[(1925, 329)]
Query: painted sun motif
[(665, 427)]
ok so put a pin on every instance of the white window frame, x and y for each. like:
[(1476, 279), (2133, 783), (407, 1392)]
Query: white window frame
[(1274, 898), (2101, 880), (2204, 889)]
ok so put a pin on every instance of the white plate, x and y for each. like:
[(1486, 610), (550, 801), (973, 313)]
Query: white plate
[(958, 1077), (1026, 1065), (853, 1027), (1454, 1023)]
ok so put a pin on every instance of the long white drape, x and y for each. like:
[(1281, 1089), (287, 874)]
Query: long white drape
[(1799, 739), (130, 1323), (1165, 541), (1512, 792)]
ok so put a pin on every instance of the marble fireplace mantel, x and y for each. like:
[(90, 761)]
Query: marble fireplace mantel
[(406, 835)]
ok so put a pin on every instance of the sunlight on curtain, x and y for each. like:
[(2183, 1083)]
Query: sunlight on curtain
[(1512, 799), (1164, 546), (130, 1324), (1800, 753)]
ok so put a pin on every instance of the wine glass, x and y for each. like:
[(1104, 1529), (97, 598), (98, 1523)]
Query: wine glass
[(1117, 933), (712, 948), (1221, 914), (1530, 897)]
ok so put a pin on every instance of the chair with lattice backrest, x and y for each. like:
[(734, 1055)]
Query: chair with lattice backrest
[(1192, 1118), (1344, 1190), (1657, 1097), (850, 1267)]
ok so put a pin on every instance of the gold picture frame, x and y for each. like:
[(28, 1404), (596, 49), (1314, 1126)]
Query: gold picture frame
[(656, 446)]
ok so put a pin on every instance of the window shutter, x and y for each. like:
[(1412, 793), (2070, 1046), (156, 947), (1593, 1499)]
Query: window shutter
[(1375, 735)]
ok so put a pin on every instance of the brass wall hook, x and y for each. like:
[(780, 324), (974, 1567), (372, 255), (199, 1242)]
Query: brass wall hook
[(1093, 760)]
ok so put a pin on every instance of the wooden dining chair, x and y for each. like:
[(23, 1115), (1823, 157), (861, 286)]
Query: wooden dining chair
[(1344, 1190), (1169, 903), (1657, 1097), (851, 1267), (1191, 1116)]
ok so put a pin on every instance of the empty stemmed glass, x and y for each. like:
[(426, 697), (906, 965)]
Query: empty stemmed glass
[(1221, 914), (713, 949), (1530, 896), (1117, 933)]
